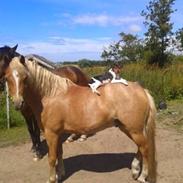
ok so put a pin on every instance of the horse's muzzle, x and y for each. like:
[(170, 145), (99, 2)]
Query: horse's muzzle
[(18, 103)]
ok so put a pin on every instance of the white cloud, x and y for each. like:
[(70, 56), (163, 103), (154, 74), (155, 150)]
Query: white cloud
[(102, 19), (135, 28), (69, 48)]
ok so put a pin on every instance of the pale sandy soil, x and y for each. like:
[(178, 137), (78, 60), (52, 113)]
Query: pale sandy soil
[(103, 158)]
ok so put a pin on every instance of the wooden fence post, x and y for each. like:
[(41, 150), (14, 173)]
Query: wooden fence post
[(7, 106)]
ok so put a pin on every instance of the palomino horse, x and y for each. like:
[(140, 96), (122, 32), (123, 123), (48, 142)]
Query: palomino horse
[(71, 72), (61, 106)]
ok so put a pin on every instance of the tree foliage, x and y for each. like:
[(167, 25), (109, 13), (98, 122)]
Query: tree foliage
[(179, 38), (128, 48), (158, 36)]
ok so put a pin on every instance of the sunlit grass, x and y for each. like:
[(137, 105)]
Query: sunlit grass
[(164, 84), (13, 136), (172, 117)]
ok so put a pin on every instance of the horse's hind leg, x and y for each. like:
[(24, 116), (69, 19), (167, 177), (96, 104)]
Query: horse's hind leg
[(71, 138), (136, 165), (137, 161), (140, 162), (141, 142)]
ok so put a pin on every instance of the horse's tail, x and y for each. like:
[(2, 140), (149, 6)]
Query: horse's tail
[(150, 130)]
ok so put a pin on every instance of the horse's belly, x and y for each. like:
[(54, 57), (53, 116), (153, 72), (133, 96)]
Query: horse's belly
[(87, 126)]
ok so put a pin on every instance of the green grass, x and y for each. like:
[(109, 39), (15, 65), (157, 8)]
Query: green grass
[(164, 84), (18, 131), (13, 136), (16, 119), (172, 117)]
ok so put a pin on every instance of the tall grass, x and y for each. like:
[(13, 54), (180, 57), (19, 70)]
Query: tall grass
[(164, 84), (16, 119)]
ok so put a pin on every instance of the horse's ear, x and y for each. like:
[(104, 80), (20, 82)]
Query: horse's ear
[(13, 49), (22, 59)]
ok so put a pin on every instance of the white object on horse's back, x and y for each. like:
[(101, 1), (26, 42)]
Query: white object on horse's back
[(95, 85), (121, 80), (113, 73)]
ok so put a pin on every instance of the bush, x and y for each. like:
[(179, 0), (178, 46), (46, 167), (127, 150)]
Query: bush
[(16, 119)]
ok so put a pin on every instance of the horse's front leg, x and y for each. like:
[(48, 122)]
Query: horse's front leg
[(33, 129), (36, 134), (53, 141), (60, 163)]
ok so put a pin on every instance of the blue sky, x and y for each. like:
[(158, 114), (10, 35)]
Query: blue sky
[(72, 29)]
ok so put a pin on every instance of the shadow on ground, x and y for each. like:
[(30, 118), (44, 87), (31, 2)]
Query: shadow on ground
[(103, 162), (106, 162)]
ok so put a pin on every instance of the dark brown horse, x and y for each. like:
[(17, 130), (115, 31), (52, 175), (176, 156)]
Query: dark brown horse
[(61, 106), (71, 72)]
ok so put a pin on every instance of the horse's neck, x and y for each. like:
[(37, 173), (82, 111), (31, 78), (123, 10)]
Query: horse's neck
[(46, 83)]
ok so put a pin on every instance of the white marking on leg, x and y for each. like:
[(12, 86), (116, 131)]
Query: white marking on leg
[(135, 168), (144, 174), (82, 138), (16, 78), (71, 138)]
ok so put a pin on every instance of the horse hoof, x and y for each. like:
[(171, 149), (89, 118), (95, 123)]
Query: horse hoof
[(36, 158), (68, 141), (51, 181), (142, 180), (48, 181), (135, 176), (81, 139), (33, 149)]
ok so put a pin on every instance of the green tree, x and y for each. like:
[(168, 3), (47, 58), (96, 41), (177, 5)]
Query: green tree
[(158, 36), (179, 38), (128, 48), (84, 63)]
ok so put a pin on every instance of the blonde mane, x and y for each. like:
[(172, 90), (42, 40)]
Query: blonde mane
[(47, 83)]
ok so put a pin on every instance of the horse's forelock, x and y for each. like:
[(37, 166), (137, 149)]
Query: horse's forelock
[(15, 64)]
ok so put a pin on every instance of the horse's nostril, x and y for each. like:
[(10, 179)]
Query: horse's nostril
[(18, 104)]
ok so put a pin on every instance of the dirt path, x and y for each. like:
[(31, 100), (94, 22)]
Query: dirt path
[(105, 157)]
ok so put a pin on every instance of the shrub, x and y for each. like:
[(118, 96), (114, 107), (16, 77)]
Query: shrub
[(16, 118)]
